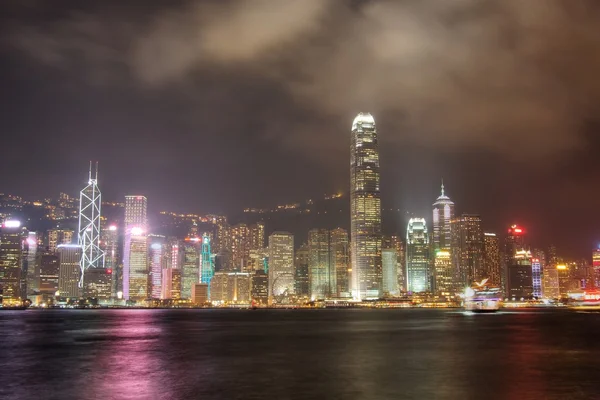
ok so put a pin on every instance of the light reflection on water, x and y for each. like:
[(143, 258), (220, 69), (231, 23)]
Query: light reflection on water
[(304, 354)]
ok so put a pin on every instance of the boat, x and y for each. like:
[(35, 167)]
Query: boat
[(584, 300), (483, 297)]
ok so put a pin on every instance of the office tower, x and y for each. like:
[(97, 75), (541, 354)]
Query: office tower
[(11, 238), (90, 203), (135, 264), (340, 261), (443, 213), (520, 277), (109, 242), (135, 212), (564, 279), (97, 283), (467, 250), (30, 270), (58, 236), (171, 284), (207, 268), (418, 275), (49, 265), (158, 262), (396, 242), (320, 272), (536, 277), (257, 260), (550, 286), (444, 273), (223, 236), (190, 268), (301, 271), (175, 254), (69, 257), (230, 287), (135, 249), (199, 294), (389, 261), (260, 287), (492, 263), (257, 236), (281, 264), (240, 246), (365, 209), (515, 241), (596, 266)]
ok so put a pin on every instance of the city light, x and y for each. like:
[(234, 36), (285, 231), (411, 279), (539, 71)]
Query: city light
[(112, 228), (12, 223), (137, 231)]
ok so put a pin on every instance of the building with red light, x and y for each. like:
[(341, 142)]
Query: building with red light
[(596, 266)]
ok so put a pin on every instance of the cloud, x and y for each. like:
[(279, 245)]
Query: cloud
[(515, 77)]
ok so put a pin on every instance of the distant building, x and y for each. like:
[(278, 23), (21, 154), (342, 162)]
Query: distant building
[(190, 270), (389, 260), (158, 259), (418, 274), (109, 242), (492, 263), (281, 264), (596, 266), (230, 287), (340, 261), (11, 257), (536, 277), (30, 271), (49, 266), (322, 276), (200, 293), (444, 273), (135, 265), (171, 284), (97, 283), (520, 277), (443, 213), (260, 287), (467, 250), (301, 272), (365, 209), (69, 256), (551, 286), (58, 236)]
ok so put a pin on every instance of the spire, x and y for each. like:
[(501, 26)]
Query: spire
[(97, 172), (90, 174), (442, 186)]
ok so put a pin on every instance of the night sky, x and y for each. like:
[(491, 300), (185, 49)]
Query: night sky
[(219, 105)]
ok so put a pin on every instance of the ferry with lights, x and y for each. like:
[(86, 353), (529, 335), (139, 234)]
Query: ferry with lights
[(483, 297), (584, 300)]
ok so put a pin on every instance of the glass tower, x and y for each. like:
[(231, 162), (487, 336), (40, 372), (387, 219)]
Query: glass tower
[(417, 256), (365, 209)]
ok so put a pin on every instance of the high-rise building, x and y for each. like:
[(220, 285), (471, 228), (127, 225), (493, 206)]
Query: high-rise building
[(491, 258), (418, 274), (551, 286), (171, 284), (230, 287), (30, 270), (158, 259), (444, 274), (536, 277), (69, 256), (135, 264), (443, 213), (320, 271), (190, 269), (340, 262), (281, 264), (365, 209), (109, 242), (467, 250), (90, 203), (389, 261), (199, 293), (135, 249), (260, 287), (301, 271), (49, 265), (240, 246), (520, 277), (57, 236), (97, 283), (11, 238), (396, 242), (207, 267), (596, 266)]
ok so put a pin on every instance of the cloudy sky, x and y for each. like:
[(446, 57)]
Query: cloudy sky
[(212, 106)]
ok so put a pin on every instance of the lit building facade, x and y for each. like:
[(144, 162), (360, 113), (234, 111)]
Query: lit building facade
[(467, 250), (11, 247), (199, 294), (230, 287), (190, 269), (30, 269), (444, 273), (322, 276), (135, 265), (158, 259), (207, 267), (281, 264), (340, 261), (301, 271), (97, 283), (389, 261), (260, 287), (58, 236), (550, 286), (520, 276), (171, 284), (596, 266), (109, 242), (49, 265), (536, 277), (365, 209), (418, 274), (69, 256), (492, 263)]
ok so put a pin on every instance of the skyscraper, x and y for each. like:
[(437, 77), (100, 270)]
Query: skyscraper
[(90, 203), (109, 243), (365, 209), (338, 250), (467, 250), (491, 258), (10, 262), (520, 278), (389, 261), (69, 257), (135, 249), (30, 270), (207, 268), (158, 262), (418, 274), (301, 271), (320, 271), (596, 266), (443, 212), (190, 269), (444, 274), (281, 264)]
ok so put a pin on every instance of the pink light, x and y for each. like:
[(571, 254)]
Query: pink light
[(12, 223), (137, 231), (112, 228), (31, 242)]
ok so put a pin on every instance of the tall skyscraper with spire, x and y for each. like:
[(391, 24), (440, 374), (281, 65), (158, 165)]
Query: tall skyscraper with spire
[(365, 209), (444, 274), (90, 203)]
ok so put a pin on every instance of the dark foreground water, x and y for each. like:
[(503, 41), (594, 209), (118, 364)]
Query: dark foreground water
[(298, 354)]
